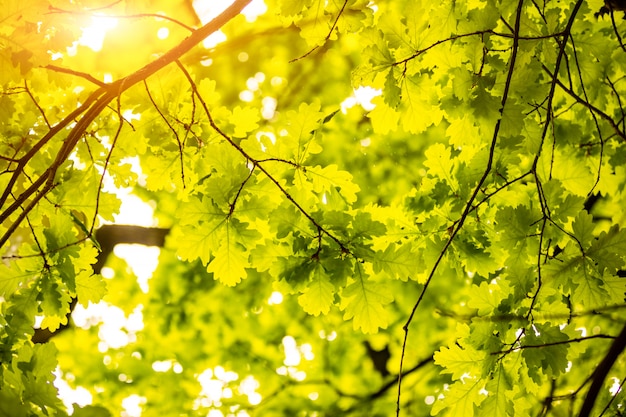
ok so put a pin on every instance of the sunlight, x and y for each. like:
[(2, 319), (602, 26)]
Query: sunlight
[(275, 298), (163, 33), (214, 386), (248, 386), (142, 260), (209, 9), (330, 337), (616, 387), (133, 405), (71, 397), (292, 354), (362, 96), (94, 34), (116, 330)]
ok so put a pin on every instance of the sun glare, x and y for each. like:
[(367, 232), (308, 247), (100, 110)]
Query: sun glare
[(209, 9), (93, 35)]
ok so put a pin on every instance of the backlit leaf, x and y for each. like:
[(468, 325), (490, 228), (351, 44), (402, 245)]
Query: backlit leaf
[(363, 302), (318, 297)]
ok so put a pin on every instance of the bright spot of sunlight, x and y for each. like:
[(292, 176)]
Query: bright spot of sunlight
[(211, 391), (537, 332), (275, 298), (134, 210), (292, 354), (161, 366), (293, 357), (253, 84), (93, 35), (214, 386), (142, 260), (362, 96), (255, 398), (307, 351), (132, 405), (269, 107), (209, 9), (107, 272), (246, 95), (214, 39), (253, 10), (291, 372), (277, 81), (71, 396), (248, 387), (616, 387), (330, 336), (163, 33), (116, 330)]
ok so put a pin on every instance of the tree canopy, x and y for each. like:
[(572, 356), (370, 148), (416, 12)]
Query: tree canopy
[(361, 208)]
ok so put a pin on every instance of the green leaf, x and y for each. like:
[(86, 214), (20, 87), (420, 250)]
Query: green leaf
[(384, 118), (551, 358), (11, 278), (318, 296), (499, 392), (229, 263), (440, 163), (609, 249), (399, 262), (486, 298), (89, 288), (583, 227), (460, 399), (325, 179), (245, 121), (421, 107), (363, 302), (459, 361)]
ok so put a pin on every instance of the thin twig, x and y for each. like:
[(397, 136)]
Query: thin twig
[(470, 202), (330, 32), (80, 74)]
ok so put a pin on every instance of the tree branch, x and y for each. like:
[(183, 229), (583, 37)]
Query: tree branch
[(92, 108), (600, 373), (109, 236)]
